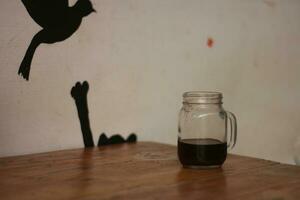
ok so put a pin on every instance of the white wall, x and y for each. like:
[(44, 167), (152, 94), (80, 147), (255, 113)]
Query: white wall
[(139, 57)]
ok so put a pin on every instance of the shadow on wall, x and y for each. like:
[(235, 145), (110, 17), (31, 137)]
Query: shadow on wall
[(58, 20), (79, 94)]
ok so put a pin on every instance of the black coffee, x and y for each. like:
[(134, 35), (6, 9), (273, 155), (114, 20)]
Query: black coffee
[(201, 152)]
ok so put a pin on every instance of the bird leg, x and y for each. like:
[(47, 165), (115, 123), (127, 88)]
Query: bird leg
[(24, 69)]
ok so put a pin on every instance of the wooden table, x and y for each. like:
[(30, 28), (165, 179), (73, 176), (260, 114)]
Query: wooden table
[(141, 171)]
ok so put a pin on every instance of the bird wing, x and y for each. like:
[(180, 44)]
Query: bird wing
[(47, 13)]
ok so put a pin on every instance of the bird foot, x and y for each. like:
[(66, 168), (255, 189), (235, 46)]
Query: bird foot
[(24, 72)]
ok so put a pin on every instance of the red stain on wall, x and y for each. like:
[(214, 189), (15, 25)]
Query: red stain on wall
[(210, 42)]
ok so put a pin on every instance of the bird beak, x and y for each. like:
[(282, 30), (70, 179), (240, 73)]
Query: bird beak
[(94, 10)]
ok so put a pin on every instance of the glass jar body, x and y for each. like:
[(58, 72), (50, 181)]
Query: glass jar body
[(202, 132)]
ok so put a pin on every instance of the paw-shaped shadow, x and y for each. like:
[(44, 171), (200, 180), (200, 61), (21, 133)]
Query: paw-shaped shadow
[(116, 139), (80, 90)]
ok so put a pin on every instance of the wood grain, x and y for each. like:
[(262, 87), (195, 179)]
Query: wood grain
[(141, 171)]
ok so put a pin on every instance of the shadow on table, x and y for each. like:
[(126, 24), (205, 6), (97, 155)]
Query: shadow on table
[(196, 183), (83, 180)]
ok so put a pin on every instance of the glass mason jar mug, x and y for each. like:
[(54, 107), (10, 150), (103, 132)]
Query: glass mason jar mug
[(203, 132)]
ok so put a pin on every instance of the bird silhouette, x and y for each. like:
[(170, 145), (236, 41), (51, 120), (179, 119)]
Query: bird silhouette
[(58, 20)]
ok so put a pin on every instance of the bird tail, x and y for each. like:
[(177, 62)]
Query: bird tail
[(24, 69)]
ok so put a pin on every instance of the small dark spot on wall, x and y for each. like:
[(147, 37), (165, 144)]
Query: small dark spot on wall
[(270, 3), (11, 39), (210, 42), (187, 55), (255, 63)]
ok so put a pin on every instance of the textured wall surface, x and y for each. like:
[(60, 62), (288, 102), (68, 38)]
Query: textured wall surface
[(139, 57)]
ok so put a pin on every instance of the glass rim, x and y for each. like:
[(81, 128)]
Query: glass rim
[(209, 94), (202, 97)]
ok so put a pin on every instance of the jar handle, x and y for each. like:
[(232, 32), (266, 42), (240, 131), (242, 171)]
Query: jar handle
[(233, 130)]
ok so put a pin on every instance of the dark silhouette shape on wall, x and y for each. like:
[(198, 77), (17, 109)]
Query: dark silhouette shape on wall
[(79, 93), (58, 20), (115, 139)]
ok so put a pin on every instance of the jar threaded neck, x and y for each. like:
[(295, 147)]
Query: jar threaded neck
[(202, 97)]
